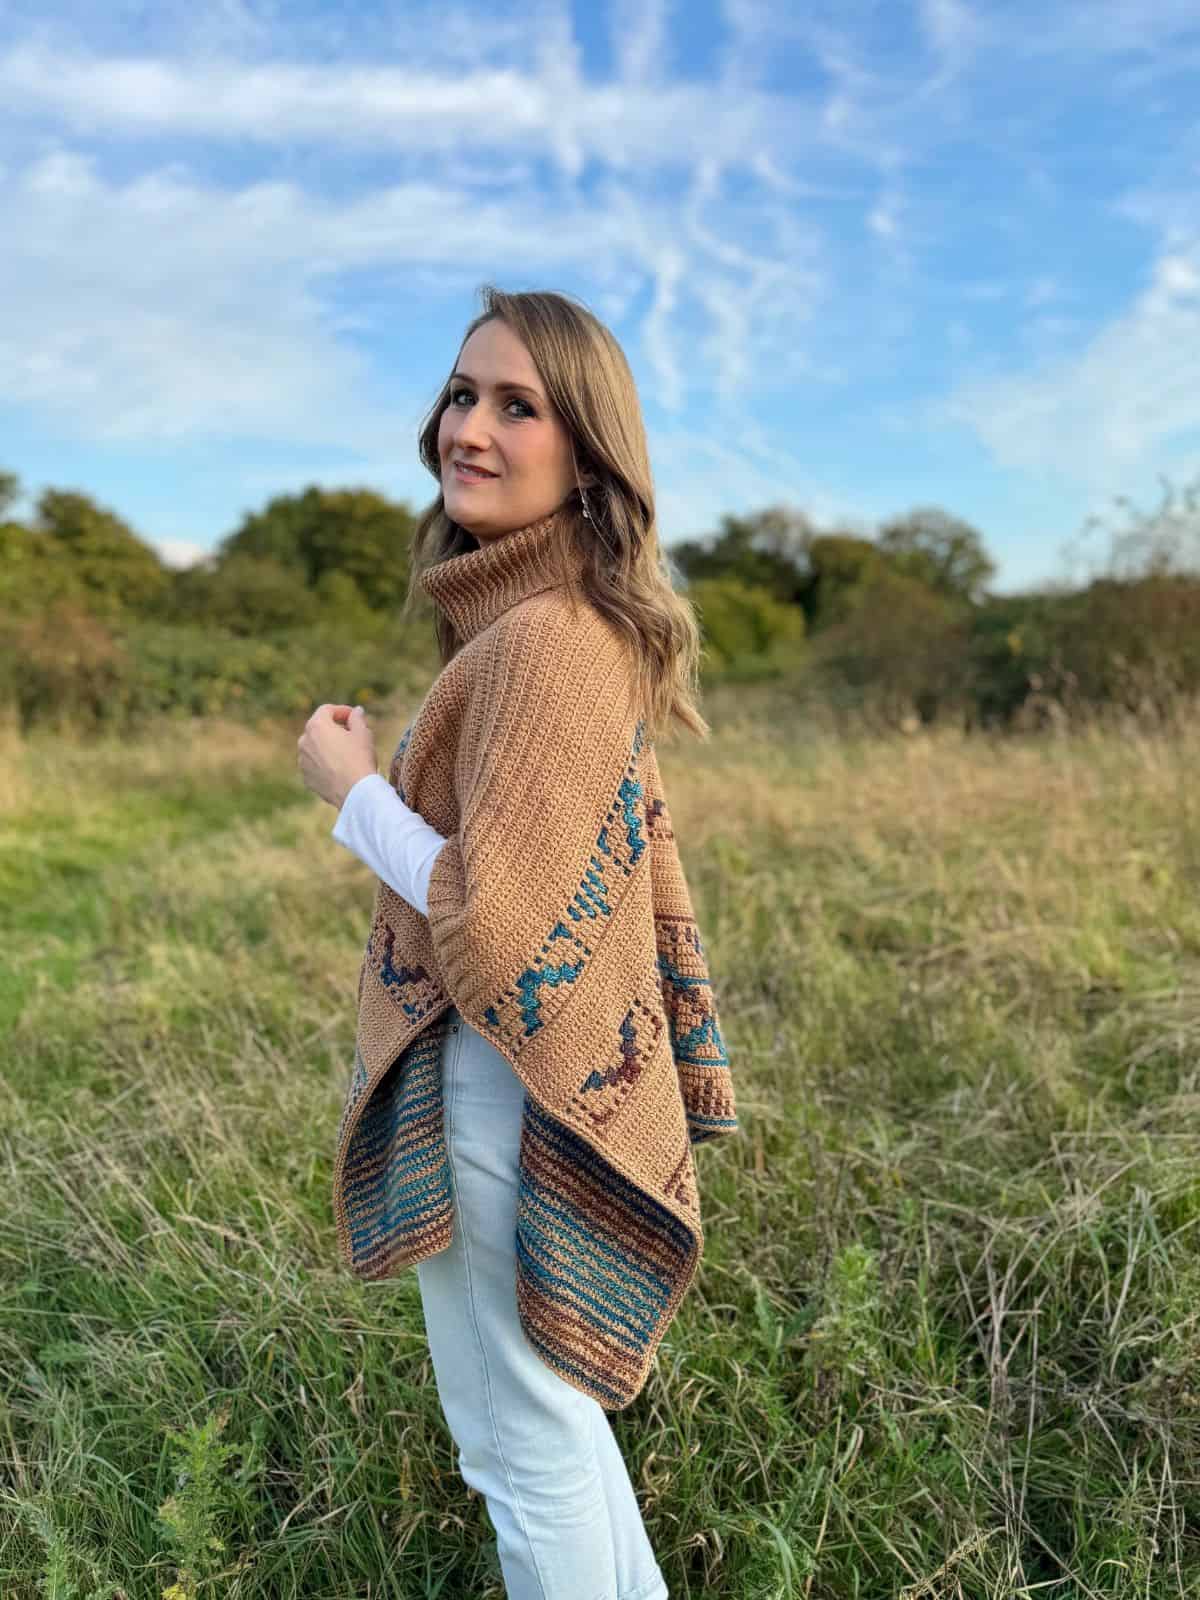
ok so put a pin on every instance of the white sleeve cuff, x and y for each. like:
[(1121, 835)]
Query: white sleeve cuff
[(393, 840)]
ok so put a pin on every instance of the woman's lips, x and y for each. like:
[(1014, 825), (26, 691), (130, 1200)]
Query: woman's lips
[(467, 475)]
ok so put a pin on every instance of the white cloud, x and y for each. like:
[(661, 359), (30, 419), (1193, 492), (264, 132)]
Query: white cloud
[(954, 32), (1125, 400), (884, 216), (700, 478), (180, 553), (164, 307), (198, 309), (499, 111), (1109, 28), (950, 25), (638, 30), (1178, 278), (184, 213)]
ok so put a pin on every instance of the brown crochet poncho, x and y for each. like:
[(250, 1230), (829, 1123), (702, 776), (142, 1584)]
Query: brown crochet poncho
[(561, 926)]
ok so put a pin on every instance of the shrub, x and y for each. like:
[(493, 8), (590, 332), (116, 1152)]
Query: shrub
[(246, 595), (745, 629), (61, 662), (899, 654), (66, 666)]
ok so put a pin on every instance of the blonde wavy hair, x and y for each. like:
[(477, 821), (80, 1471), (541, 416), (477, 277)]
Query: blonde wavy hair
[(625, 572)]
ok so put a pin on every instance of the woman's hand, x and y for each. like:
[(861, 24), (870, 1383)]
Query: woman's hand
[(336, 749)]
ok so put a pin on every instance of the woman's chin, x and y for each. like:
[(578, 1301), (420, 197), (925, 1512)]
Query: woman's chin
[(457, 512), (464, 508)]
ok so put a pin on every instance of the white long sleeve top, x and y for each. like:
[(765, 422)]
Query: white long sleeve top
[(391, 838)]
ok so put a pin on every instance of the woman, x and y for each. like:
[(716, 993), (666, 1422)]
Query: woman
[(538, 1047)]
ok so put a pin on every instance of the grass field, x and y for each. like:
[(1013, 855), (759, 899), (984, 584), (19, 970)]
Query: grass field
[(944, 1339)]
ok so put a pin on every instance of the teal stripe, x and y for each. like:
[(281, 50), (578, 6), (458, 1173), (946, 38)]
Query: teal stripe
[(558, 1361), (556, 1136), (603, 1321), (399, 1200), (407, 1159), (637, 1310), (431, 1195), (385, 1245), (630, 1261), (374, 1131), (424, 1154)]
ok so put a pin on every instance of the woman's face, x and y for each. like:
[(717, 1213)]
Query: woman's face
[(499, 420)]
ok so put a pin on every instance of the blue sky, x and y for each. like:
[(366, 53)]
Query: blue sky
[(862, 256)]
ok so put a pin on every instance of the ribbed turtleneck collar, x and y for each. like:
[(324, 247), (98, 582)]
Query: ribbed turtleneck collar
[(476, 586)]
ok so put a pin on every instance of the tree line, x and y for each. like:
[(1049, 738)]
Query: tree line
[(901, 626)]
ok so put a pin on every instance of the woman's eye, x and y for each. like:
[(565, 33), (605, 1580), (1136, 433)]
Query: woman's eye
[(526, 409)]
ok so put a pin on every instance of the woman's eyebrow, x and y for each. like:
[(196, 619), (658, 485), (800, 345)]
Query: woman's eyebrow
[(523, 387)]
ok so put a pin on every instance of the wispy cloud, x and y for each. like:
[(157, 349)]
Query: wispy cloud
[(700, 475), (164, 308), (640, 41), (180, 552), (1131, 393), (548, 106), (952, 29), (205, 308), (215, 220), (185, 264)]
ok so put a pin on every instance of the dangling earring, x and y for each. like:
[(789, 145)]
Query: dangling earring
[(587, 515)]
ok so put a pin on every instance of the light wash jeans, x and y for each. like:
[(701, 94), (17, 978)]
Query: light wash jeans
[(542, 1453)]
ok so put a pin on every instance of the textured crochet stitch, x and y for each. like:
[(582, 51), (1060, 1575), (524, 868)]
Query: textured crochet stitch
[(561, 926)]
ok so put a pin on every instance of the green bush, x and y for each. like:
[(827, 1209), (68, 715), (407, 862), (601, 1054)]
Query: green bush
[(899, 653), (746, 631), (66, 666), (1133, 643), (62, 663), (244, 595), (1126, 643)]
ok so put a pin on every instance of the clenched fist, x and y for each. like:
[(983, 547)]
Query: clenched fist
[(336, 749)]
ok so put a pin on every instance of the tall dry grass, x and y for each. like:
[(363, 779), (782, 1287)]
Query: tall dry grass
[(944, 1339)]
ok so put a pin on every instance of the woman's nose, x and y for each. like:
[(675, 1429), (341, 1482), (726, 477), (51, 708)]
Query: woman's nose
[(470, 429)]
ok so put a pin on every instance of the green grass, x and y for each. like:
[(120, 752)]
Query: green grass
[(944, 1339)]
